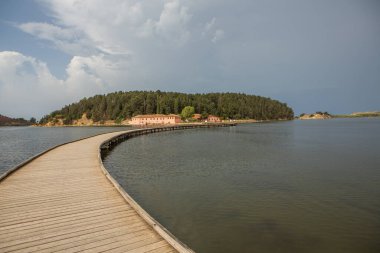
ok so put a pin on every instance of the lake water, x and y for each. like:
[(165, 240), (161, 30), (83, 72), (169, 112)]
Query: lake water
[(20, 143), (297, 186)]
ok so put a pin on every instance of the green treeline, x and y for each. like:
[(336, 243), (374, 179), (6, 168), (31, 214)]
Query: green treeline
[(121, 105)]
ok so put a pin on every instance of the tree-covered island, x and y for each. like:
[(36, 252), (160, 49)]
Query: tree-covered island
[(119, 106)]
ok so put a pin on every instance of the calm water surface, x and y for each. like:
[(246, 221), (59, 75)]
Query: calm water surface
[(19, 143), (300, 186)]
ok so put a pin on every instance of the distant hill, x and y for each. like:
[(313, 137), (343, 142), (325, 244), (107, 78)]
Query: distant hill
[(326, 115), (7, 121), (119, 106), (359, 115), (317, 115)]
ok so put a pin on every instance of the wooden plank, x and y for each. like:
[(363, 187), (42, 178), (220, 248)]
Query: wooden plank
[(105, 243), (66, 218), (163, 249), (54, 200), (136, 245), (28, 228), (65, 244), (41, 218), (69, 233), (124, 246), (44, 211), (43, 215), (23, 233), (149, 247)]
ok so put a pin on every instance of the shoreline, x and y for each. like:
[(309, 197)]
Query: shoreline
[(240, 121), (349, 116), (339, 117)]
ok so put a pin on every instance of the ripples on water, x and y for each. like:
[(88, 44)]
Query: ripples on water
[(301, 186), (20, 143)]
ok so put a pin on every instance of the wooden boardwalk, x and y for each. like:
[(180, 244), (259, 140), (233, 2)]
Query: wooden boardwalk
[(62, 201)]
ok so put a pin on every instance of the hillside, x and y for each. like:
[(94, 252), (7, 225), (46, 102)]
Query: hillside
[(119, 106), (359, 115), (6, 121), (317, 115)]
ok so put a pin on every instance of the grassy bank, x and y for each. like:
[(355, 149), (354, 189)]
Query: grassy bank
[(358, 115)]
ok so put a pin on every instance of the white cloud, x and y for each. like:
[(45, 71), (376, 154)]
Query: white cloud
[(173, 21), (119, 27), (70, 41), (209, 25), (218, 35), (95, 74), (27, 85), (211, 29), (116, 26), (147, 29), (47, 31)]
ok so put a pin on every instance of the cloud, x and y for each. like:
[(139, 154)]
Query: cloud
[(116, 27), (120, 27), (68, 40), (218, 35), (173, 21), (209, 25), (211, 29), (28, 88), (26, 85)]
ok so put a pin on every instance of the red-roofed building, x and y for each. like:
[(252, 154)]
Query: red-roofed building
[(197, 116), (213, 118), (155, 119)]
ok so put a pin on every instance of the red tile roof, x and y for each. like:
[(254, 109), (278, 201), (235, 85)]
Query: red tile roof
[(156, 116)]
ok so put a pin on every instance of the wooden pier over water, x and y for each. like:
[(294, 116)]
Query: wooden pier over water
[(64, 200)]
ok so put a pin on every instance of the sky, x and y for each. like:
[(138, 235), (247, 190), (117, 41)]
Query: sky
[(313, 55)]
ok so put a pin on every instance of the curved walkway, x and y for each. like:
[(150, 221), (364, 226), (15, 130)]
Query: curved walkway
[(63, 202)]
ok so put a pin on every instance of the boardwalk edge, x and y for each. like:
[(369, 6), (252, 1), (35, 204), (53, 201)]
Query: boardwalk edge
[(160, 229)]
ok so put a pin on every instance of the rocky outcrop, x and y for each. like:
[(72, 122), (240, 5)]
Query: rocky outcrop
[(317, 115), (83, 121)]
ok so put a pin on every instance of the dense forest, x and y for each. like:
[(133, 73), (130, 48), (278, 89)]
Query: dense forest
[(121, 105)]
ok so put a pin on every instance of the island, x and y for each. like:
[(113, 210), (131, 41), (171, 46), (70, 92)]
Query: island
[(317, 115), (155, 107), (325, 115)]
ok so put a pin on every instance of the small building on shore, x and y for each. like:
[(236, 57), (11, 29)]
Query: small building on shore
[(197, 117), (213, 119), (155, 119)]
